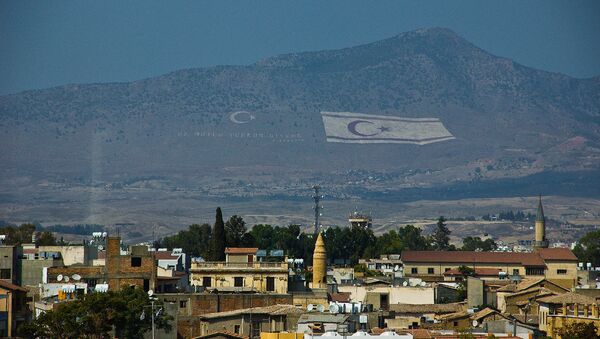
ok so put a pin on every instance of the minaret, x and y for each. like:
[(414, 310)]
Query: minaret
[(319, 278), (540, 227)]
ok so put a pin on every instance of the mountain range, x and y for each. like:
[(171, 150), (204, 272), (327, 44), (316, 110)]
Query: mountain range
[(507, 120)]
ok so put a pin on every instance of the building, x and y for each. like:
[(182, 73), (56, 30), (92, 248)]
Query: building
[(569, 308), (171, 271), (13, 307), (416, 315), (135, 267), (319, 270), (10, 264), (251, 321), (540, 227), (240, 272), (388, 264), (358, 219), (558, 264)]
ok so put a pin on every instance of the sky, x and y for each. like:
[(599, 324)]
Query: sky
[(51, 43)]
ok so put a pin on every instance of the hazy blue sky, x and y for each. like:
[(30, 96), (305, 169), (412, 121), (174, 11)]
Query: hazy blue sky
[(48, 43)]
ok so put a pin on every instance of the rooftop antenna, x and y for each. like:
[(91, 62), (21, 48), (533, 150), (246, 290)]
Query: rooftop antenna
[(317, 198)]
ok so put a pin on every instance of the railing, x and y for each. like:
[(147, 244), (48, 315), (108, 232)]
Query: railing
[(239, 265)]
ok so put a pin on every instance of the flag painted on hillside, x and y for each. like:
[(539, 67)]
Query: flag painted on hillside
[(347, 127)]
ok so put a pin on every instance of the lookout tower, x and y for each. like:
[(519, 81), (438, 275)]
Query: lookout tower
[(540, 227)]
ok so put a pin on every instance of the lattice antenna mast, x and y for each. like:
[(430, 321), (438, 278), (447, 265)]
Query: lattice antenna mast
[(317, 198)]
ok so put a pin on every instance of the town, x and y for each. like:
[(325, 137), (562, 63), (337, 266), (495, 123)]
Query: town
[(279, 283)]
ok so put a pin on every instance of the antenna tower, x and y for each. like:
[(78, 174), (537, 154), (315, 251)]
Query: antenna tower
[(317, 198)]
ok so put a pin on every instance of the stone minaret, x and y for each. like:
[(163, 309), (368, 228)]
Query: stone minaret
[(540, 227), (319, 278)]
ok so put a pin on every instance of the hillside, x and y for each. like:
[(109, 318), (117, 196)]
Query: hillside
[(508, 121)]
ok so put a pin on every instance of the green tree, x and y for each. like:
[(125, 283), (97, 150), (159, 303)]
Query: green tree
[(476, 244), (588, 248), (96, 315), (194, 241), (235, 228), (412, 239), (218, 238), (45, 238), (441, 235)]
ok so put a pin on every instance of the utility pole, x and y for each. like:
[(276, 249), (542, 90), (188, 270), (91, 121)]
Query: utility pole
[(317, 198)]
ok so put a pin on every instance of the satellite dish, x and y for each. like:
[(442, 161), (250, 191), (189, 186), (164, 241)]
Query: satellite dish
[(396, 268), (405, 283), (475, 323), (150, 293), (59, 277), (334, 308), (423, 283), (76, 277), (66, 278), (310, 307), (320, 308)]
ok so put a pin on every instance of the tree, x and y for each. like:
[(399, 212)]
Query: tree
[(45, 238), (412, 239), (235, 228), (96, 315), (588, 248), (441, 236), (476, 244), (218, 238), (195, 241), (24, 234), (579, 330)]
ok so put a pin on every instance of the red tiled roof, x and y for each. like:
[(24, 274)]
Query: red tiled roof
[(10, 286), (164, 255), (479, 271), (557, 254), (30, 250), (342, 297), (525, 259), (241, 250)]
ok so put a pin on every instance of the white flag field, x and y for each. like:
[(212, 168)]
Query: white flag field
[(359, 128)]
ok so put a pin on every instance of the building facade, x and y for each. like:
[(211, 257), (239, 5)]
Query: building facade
[(240, 272)]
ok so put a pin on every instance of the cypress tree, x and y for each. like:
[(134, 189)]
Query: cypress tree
[(440, 236), (218, 238)]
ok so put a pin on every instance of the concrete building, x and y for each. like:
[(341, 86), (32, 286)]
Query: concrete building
[(240, 272), (381, 297), (557, 264), (171, 271), (251, 321), (10, 263), (388, 264)]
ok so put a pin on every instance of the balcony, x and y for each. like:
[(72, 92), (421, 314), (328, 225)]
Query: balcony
[(237, 266)]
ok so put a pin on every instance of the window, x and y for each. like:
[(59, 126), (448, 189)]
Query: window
[(430, 270), (515, 271), (456, 323), (182, 303), (447, 269), (561, 271), (136, 261), (414, 270), (146, 285), (5, 273), (534, 271), (236, 329), (206, 281), (238, 281), (270, 284)]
